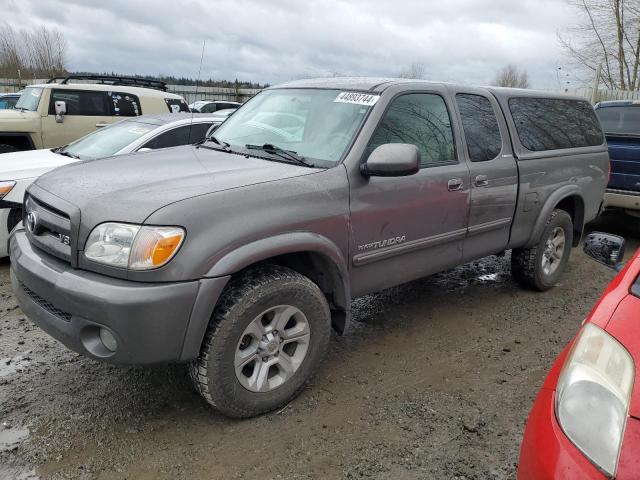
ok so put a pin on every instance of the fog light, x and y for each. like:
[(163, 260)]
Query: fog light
[(108, 340)]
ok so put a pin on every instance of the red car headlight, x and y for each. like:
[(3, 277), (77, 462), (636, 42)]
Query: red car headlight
[(592, 397)]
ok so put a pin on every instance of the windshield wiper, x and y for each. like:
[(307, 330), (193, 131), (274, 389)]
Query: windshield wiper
[(225, 146), (280, 152), (62, 151)]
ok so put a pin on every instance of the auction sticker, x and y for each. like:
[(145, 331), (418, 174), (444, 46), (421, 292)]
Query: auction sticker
[(357, 98)]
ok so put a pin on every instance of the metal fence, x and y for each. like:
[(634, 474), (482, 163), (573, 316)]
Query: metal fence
[(191, 93), (603, 94)]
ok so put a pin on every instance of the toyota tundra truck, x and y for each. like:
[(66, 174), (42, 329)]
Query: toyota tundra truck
[(239, 255)]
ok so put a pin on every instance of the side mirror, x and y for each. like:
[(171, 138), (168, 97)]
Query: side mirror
[(392, 160), (61, 110), (605, 248)]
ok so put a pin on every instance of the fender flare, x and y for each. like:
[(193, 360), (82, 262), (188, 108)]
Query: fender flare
[(554, 199), (289, 243)]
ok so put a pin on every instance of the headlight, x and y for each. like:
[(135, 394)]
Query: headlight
[(6, 187), (133, 246), (592, 398)]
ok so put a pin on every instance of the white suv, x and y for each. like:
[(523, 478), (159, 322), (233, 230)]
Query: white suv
[(60, 111)]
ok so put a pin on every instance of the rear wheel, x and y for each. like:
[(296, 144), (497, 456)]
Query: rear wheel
[(265, 340), (541, 266)]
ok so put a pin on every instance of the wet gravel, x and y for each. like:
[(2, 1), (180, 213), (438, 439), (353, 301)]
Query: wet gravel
[(434, 380)]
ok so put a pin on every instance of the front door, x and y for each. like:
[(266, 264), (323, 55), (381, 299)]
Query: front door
[(408, 227), (86, 111), (493, 172)]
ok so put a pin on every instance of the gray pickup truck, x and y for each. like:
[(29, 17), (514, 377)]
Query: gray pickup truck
[(240, 254)]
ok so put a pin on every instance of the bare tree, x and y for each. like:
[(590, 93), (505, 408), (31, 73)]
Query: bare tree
[(11, 56), (510, 76), (608, 35), (39, 52), (46, 51), (416, 70)]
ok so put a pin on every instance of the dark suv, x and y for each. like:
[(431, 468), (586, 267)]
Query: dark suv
[(621, 122), (240, 254)]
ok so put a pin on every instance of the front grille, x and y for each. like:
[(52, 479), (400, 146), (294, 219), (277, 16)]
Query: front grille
[(52, 229), (49, 307)]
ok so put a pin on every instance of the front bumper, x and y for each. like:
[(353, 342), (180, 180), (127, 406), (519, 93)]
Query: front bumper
[(547, 453), (151, 322), (622, 199)]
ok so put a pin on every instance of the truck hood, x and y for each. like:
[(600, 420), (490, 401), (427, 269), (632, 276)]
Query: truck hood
[(131, 187), (31, 163), (19, 121)]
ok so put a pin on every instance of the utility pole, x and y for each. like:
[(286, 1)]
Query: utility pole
[(596, 83)]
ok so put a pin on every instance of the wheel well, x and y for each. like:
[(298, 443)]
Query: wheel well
[(21, 142), (324, 273), (574, 206)]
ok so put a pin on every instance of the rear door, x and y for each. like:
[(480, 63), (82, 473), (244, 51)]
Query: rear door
[(493, 172), (624, 153)]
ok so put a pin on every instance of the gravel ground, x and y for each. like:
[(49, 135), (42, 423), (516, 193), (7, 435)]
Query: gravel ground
[(434, 380)]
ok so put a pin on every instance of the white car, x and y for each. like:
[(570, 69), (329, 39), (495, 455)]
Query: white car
[(211, 106), (137, 134)]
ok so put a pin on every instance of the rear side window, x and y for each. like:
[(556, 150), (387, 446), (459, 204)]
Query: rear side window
[(125, 105), (184, 135), (554, 124), (82, 102), (209, 108), (421, 119), (480, 127), (176, 105)]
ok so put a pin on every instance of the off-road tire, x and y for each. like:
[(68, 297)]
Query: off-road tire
[(258, 289), (526, 263), (4, 148)]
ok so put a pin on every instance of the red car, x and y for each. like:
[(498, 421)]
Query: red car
[(585, 422)]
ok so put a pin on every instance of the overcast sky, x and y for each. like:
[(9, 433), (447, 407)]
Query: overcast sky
[(270, 41)]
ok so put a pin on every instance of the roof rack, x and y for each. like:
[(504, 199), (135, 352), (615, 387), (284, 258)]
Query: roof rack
[(113, 80)]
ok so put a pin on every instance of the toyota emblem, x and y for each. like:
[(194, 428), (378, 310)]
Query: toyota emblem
[(32, 221)]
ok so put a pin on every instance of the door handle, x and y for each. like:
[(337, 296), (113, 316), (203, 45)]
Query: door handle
[(454, 185), (481, 181), (101, 124)]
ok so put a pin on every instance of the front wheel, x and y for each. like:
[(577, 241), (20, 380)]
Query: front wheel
[(266, 338), (541, 266)]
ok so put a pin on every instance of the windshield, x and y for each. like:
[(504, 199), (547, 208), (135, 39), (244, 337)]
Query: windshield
[(109, 140), (624, 119), (30, 99), (316, 124)]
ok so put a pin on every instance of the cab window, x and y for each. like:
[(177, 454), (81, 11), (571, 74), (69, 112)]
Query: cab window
[(480, 126)]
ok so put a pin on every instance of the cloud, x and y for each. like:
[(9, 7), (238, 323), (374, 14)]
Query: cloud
[(464, 41)]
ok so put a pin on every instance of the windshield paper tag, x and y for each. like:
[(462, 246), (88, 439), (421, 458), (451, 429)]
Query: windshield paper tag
[(357, 98)]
